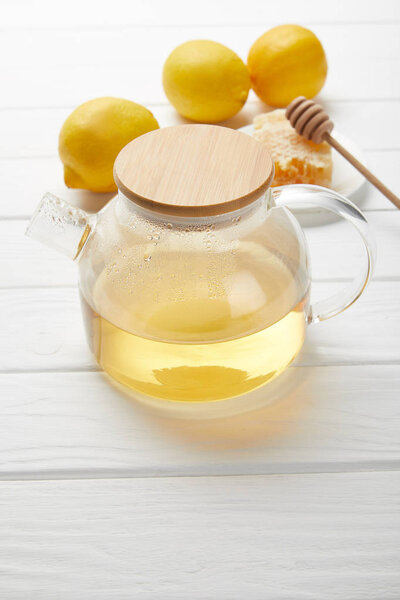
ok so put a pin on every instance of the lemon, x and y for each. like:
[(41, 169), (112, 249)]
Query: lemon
[(285, 62), (92, 136), (205, 81)]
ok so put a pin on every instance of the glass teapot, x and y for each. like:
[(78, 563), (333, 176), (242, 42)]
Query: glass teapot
[(195, 278)]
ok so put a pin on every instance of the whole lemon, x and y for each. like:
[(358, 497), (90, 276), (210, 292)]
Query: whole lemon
[(205, 81), (92, 136), (285, 62)]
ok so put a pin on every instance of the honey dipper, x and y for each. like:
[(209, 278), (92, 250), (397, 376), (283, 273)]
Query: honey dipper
[(311, 121)]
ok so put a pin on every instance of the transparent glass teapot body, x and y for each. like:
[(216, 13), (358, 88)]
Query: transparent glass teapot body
[(197, 309)]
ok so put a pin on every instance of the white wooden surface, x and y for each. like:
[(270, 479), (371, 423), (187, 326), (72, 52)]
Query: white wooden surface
[(293, 537), (105, 497)]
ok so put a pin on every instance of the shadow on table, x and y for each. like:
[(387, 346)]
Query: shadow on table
[(274, 410)]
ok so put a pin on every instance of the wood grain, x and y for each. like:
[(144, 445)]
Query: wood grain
[(194, 170), (292, 537), (33, 132), (364, 171), (311, 121), (324, 536), (42, 329), (22, 194), (127, 63), (222, 13), (78, 425)]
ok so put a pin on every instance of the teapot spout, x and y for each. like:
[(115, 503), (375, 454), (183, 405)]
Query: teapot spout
[(60, 225)]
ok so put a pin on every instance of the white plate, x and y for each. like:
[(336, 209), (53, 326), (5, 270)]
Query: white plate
[(345, 178)]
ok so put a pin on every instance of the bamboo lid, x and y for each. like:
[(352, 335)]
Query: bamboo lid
[(193, 170)]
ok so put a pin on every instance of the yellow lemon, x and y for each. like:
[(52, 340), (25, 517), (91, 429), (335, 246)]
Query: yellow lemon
[(92, 136), (205, 81), (285, 62)]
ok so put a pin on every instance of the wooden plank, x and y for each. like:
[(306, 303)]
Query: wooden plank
[(21, 194), (383, 164), (65, 67), (275, 538), (33, 133), (51, 268), (78, 425), (336, 253), (150, 45), (50, 336), (78, 13), (369, 331), (42, 330)]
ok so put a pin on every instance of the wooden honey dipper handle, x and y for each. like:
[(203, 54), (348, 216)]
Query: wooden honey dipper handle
[(311, 121)]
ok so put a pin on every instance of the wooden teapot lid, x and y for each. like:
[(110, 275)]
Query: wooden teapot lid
[(193, 170)]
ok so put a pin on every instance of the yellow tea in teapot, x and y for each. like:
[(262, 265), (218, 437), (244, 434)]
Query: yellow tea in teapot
[(201, 332)]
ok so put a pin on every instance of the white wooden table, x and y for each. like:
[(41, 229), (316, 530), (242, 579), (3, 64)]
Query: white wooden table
[(102, 498)]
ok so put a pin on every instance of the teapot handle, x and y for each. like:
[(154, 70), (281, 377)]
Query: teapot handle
[(311, 195)]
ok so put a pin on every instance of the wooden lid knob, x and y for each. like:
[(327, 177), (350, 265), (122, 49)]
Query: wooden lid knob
[(193, 170)]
